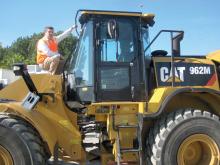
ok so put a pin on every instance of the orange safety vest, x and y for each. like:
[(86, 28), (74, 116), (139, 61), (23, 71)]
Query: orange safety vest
[(52, 45)]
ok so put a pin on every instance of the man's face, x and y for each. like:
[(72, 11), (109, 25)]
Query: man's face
[(49, 33)]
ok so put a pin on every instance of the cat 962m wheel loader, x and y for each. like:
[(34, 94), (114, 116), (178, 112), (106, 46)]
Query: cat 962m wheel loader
[(116, 101)]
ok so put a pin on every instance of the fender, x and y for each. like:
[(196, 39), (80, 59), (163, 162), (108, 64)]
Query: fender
[(54, 122), (52, 126), (42, 127), (173, 94)]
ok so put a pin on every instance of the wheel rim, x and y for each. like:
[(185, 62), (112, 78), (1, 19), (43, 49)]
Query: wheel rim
[(5, 156), (198, 149)]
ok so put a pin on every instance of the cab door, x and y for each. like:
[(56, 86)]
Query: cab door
[(118, 69)]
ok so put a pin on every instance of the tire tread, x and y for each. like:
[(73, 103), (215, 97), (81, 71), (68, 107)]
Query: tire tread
[(28, 134), (163, 127)]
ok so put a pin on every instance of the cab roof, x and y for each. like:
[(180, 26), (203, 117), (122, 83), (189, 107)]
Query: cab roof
[(146, 17)]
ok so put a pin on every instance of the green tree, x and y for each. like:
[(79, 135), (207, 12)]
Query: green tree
[(21, 46), (9, 58), (1, 51), (67, 46), (26, 47)]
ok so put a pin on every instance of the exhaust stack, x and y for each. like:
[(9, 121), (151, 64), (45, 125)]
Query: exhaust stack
[(176, 44)]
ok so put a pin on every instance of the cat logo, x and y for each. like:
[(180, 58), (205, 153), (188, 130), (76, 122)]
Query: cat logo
[(185, 74), (166, 74)]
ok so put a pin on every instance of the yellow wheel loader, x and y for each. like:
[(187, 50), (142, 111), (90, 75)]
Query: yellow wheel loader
[(117, 101)]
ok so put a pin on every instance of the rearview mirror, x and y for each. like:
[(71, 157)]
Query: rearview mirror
[(112, 29)]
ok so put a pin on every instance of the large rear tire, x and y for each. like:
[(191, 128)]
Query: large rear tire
[(185, 137), (20, 144)]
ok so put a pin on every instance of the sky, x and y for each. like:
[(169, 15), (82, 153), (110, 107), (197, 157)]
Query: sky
[(199, 19)]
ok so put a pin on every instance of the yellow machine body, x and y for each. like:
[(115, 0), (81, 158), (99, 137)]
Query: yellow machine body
[(57, 124)]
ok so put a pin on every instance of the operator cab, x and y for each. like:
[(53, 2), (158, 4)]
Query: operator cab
[(108, 63)]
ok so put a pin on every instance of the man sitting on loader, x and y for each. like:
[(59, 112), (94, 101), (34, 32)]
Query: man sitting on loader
[(48, 56)]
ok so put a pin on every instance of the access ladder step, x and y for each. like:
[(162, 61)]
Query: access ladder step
[(127, 126), (129, 150), (123, 163)]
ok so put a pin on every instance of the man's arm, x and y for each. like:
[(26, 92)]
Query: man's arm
[(43, 48), (65, 34)]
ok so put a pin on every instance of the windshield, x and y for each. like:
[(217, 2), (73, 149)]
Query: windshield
[(81, 64), (121, 49)]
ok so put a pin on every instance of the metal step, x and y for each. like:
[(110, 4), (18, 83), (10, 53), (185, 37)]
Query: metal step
[(138, 150), (127, 126), (124, 163), (129, 150)]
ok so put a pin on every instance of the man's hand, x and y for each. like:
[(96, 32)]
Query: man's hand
[(73, 27)]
